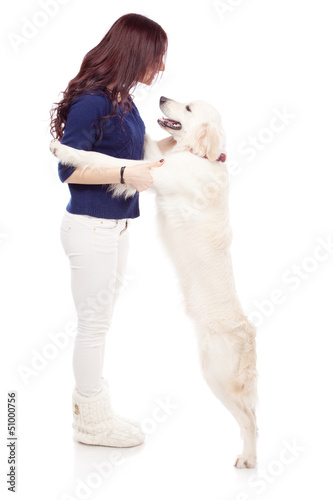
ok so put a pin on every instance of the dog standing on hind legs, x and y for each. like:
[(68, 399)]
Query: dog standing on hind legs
[(225, 336), (197, 237)]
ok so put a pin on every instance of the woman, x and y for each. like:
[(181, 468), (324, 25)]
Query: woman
[(98, 114)]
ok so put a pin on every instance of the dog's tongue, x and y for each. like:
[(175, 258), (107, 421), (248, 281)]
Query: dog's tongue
[(167, 122), (172, 122)]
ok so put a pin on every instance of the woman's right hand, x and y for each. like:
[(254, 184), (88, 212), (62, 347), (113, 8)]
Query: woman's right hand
[(139, 176)]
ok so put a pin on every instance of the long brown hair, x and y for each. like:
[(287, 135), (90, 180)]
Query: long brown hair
[(131, 51)]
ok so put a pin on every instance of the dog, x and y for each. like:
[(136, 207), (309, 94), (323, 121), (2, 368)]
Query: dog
[(192, 200)]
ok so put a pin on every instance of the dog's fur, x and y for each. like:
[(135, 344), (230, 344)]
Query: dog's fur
[(192, 199)]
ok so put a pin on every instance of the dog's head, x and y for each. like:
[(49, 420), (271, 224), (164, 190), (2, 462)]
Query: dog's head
[(195, 125)]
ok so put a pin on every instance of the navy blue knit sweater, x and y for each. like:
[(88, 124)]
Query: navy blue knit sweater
[(82, 132)]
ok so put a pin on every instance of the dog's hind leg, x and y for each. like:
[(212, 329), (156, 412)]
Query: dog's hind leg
[(245, 417), (231, 376), (247, 422)]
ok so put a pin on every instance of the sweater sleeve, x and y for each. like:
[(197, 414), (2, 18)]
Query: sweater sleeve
[(81, 129)]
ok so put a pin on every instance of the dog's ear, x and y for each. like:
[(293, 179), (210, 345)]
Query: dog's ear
[(209, 141)]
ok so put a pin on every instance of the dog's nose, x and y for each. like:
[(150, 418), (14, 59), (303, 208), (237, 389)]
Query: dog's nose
[(163, 99)]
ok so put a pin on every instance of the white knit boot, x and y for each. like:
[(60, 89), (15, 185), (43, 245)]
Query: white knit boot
[(95, 423)]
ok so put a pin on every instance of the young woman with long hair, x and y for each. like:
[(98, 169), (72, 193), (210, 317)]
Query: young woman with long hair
[(97, 113)]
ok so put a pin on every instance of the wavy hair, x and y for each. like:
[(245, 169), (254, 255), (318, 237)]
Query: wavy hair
[(132, 51)]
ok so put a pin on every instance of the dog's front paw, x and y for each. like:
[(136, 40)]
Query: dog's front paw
[(65, 154), (245, 462), (54, 147)]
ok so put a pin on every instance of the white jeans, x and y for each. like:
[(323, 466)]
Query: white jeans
[(97, 250)]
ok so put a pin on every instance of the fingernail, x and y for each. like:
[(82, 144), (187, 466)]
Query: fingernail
[(161, 160)]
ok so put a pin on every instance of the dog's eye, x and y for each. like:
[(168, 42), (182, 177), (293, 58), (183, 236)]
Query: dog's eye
[(188, 109)]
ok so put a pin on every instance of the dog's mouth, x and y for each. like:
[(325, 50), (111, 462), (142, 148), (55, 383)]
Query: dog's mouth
[(167, 122)]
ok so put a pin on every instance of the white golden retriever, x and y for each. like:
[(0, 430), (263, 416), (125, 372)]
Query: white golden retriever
[(192, 199)]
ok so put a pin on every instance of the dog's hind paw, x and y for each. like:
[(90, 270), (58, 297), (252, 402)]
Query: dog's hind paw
[(245, 462)]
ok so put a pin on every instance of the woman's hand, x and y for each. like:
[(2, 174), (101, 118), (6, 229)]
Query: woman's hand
[(139, 176)]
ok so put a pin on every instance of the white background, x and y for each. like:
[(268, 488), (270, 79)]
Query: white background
[(249, 59)]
